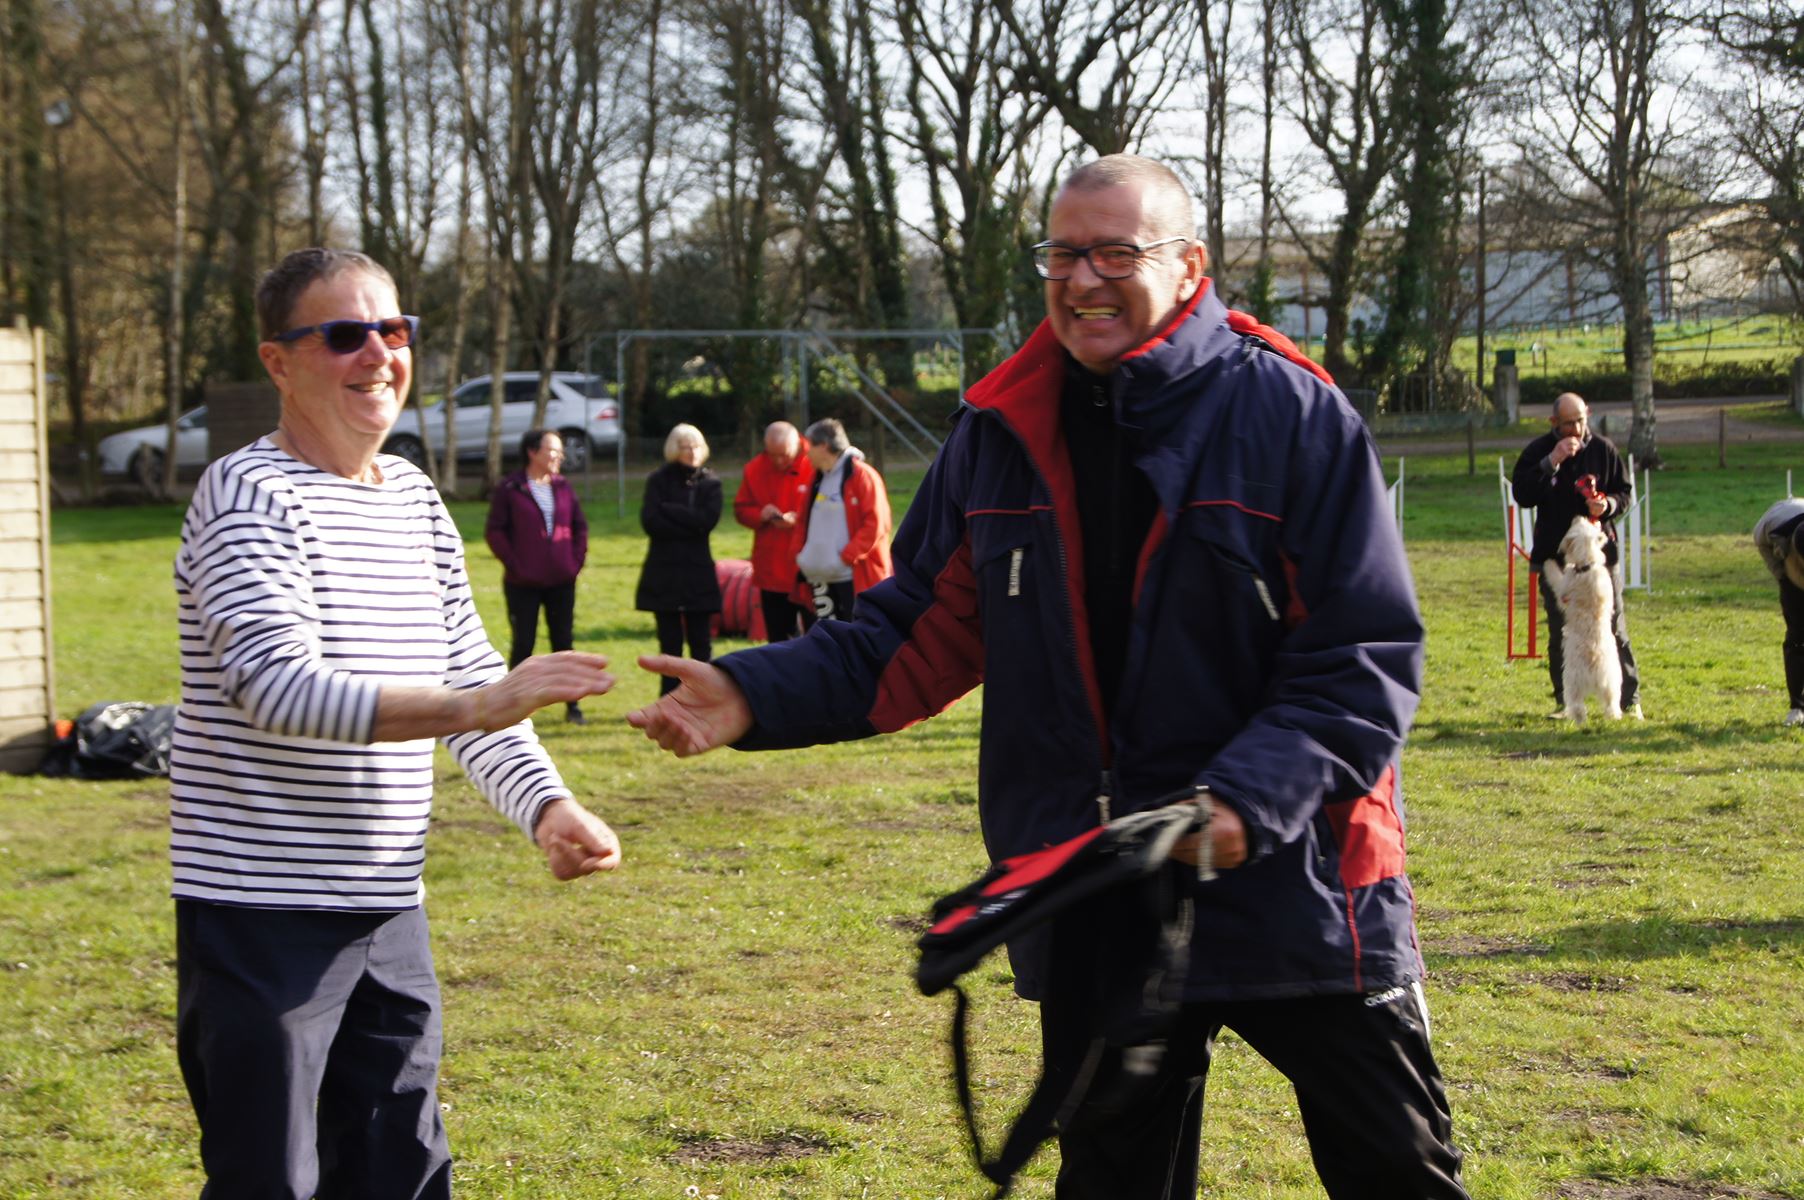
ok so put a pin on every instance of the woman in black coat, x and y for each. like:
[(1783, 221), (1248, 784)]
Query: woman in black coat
[(677, 583)]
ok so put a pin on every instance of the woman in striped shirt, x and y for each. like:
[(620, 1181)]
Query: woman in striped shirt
[(328, 635)]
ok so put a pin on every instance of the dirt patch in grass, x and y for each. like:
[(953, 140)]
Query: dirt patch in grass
[(1475, 946), (1659, 1189), (1592, 874), (1578, 981), (915, 925), (739, 1150)]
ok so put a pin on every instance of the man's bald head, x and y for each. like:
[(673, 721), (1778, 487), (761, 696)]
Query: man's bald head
[(782, 442), (1571, 415), (1169, 211)]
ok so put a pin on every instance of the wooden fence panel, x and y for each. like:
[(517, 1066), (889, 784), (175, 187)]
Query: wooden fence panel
[(28, 690)]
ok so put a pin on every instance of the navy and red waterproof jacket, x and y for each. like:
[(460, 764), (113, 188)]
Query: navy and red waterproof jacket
[(1275, 655)]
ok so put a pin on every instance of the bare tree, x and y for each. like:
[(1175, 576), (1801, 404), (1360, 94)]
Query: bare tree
[(1763, 110), (25, 264), (1107, 66), (973, 135), (749, 41), (1259, 292), (1341, 54), (1614, 150), (575, 124), (495, 128), (1436, 83), (857, 224), (245, 60), (1215, 24)]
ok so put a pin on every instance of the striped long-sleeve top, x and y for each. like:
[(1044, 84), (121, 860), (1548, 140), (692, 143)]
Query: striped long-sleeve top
[(301, 594)]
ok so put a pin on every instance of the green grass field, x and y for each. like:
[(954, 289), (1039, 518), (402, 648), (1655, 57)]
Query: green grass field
[(1613, 918)]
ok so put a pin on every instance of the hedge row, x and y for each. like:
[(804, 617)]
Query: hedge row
[(1674, 381)]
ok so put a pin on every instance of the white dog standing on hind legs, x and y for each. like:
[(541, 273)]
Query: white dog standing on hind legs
[(1591, 667)]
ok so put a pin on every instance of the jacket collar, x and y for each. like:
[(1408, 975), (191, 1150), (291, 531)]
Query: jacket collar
[(1024, 390)]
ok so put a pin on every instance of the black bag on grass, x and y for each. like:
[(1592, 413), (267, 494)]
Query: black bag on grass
[(1120, 914), (117, 739)]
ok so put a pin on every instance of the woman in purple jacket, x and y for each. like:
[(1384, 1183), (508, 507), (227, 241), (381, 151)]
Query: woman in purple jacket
[(537, 529)]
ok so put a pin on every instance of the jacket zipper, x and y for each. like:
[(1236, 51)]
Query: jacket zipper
[(1102, 733)]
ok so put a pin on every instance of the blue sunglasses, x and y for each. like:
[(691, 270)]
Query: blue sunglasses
[(348, 337)]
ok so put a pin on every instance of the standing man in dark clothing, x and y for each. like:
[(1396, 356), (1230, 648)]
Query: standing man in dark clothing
[(1158, 537), (537, 529), (1571, 472)]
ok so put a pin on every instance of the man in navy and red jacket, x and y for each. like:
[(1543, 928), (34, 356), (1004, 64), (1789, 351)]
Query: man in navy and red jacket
[(1160, 539)]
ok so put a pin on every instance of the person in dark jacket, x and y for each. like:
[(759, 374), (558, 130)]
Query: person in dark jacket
[(1159, 538), (537, 529), (678, 584), (1779, 536), (1571, 472)]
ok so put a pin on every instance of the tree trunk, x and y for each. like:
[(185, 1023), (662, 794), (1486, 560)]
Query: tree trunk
[(1638, 357)]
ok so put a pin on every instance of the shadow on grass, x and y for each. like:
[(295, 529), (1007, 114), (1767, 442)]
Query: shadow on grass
[(1641, 939), (1562, 739)]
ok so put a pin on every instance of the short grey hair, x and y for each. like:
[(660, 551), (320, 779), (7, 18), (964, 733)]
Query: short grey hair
[(828, 434), (282, 285), (673, 444), (1171, 212)]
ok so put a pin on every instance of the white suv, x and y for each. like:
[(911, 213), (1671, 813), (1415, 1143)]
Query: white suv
[(581, 408), (138, 453)]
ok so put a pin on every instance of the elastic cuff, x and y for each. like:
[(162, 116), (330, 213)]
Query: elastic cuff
[(539, 813)]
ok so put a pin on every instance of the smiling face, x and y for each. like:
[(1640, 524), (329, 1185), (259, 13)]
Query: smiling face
[(340, 400), (548, 459), (1099, 320)]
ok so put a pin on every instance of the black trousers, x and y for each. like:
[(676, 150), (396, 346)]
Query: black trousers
[(1556, 626), (310, 1043), (672, 628), (832, 602), (1368, 1091), (1791, 603), (782, 616), (523, 604)]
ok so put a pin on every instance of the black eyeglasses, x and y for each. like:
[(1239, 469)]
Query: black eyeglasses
[(1110, 260), (348, 337)]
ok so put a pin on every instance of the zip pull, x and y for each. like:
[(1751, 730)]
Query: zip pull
[(1102, 801), (1265, 595)]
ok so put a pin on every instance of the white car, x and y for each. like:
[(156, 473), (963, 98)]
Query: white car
[(581, 408), (138, 453)]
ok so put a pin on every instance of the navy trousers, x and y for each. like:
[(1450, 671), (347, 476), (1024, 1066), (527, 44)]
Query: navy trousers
[(1368, 1091), (310, 1043)]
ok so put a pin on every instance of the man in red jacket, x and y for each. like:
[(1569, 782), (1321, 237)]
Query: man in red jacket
[(842, 547), (770, 502)]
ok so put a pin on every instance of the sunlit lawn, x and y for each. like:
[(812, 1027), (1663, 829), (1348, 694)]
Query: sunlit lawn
[(1613, 918)]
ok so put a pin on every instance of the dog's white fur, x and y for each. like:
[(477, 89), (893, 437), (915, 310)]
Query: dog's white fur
[(1591, 667)]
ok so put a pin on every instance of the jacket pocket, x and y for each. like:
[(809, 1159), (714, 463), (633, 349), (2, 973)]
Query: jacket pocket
[(1005, 559), (1230, 608)]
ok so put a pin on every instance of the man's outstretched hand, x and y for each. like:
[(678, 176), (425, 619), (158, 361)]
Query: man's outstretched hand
[(706, 710)]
